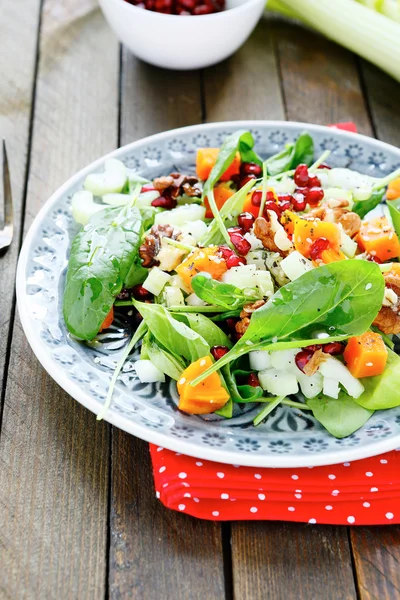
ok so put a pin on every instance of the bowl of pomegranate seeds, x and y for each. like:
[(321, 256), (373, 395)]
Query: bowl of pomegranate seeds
[(182, 34)]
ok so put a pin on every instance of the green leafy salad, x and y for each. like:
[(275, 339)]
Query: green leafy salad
[(270, 281)]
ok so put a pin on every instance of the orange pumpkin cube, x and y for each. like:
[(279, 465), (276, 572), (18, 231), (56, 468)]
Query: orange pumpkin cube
[(206, 159), (108, 320), (306, 232), (208, 260), (366, 355), (393, 191), (378, 238), (222, 193), (204, 398), (330, 255)]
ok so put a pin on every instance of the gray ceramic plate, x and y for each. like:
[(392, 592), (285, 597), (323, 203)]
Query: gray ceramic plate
[(289, 438)]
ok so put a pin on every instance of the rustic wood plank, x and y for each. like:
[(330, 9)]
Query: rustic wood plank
[(54, 457), (268, 556), (377, 561), (19, 24), (155, 552), (246, 86), (288, 560), (377, 549)]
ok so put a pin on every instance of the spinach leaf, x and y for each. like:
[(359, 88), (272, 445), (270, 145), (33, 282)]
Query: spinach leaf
[(101, 257), (226, 411), (394, 210), (176, 337), (221, 294), (336, 301), (228, 213), (213, 335), (340, 417), (163, 360), (301, 151), (382, 391), (136, 274), (247, 154), (240, 393), (363, 207)]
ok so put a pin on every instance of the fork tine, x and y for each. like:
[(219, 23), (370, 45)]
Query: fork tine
[(8, 206)]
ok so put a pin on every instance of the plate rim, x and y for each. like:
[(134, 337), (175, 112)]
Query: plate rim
[(164, 440)]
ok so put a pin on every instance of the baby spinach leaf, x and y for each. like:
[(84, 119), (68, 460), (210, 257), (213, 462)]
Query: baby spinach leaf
[(173, 335), (221, 294), (247, 154), (163, 360), (340, 417), (101, 257), (240, 393), (213, 335), (394, 210), (226, 411), (228, 213), (136, 274), (301, 151), (363, 207), (335, 301), (382, 391)]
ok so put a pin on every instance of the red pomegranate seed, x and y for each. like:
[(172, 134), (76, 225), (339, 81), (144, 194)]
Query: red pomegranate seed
[(313, 347), (219, 351), (140, 293), (317, 247), (235, 261), (148, 187), (165, 202), (203, 9), (374, 259), (256, 198), (246, 220), (285, 197), (251, 169), (314, 196), (302, 358), (241, 245), (314, 181), (284, 205), (324, 166), (272, 206), (299, 202), (226, 252), (246, 179), (231, 323), (236, 229), (333, 348), (253, 380), (301, 175)]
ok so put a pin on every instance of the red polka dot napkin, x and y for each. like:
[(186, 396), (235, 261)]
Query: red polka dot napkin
[(365, 492)]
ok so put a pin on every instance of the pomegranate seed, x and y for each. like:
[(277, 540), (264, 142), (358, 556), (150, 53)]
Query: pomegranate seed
[(285, 197), (226, 252), (374, 259), (251, 169), (299, 202), (285, 205), (236, 229), (314, 196), (313, 347), (301, 175), (333, 348), (140, 293), (272, 206), (302, 358), (314, 181), (324, 166), (246, 179), (219, 351), (253, 380), (165, 202), (148, 187), (256, 198), (235, 261), (203, 9), (241, 245), (246, 221), (231, 323), (317, 247)]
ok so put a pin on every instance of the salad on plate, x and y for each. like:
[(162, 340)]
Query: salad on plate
[(256, 281)]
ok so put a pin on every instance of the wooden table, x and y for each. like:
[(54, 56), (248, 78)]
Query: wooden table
[(78, 514)]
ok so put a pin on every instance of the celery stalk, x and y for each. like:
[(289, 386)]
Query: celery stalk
[(366, 32)]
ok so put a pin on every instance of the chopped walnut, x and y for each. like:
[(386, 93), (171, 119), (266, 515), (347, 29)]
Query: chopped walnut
[(247, 311), (153, 242), (177, 184), (334, 203), (350, 222), (263, 231), (388, 320)]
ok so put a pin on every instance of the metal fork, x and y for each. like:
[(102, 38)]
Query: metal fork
[(6, 234)]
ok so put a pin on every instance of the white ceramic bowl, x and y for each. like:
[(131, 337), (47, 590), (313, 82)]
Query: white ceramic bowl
[(183, 42)]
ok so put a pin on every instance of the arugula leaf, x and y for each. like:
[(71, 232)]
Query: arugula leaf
[(363, 207), (340, 417), (173, 335), (394, 210), (382, 391), (301, 151), (101, 257), (337, 301), (221, 294), (247, 154), (163, 360), (228, 213), (213, 335)]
